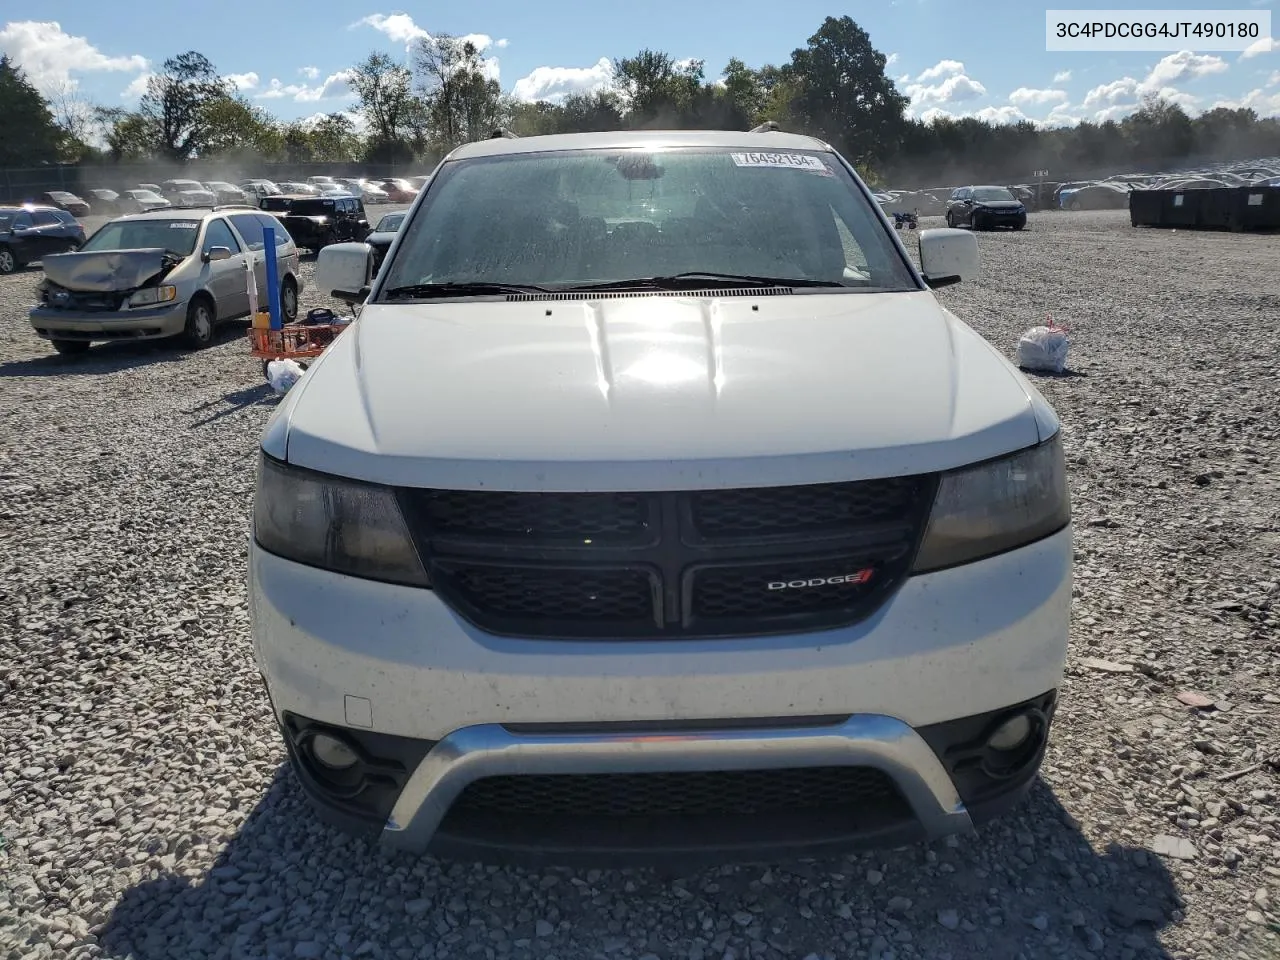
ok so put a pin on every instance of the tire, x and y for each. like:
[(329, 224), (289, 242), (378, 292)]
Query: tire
[(70, 348), (1018, 226), (951, 221), (8, 261), (1073, 204), (289, 300), (202, 320)]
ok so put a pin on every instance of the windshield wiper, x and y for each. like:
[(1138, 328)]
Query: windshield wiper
[(702, 280), (424, 291)]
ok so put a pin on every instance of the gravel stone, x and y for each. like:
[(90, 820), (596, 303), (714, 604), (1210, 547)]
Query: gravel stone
[(144, 801)]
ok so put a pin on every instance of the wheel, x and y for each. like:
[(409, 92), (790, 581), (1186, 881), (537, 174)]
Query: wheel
[(1018, 226), (951, 220), (70, 347), (8, 262), (198, 332), (289, 300), (1073, 204)]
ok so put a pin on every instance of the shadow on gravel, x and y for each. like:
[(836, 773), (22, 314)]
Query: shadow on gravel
[(235, 401), (1050, 375), (1028, 886), (105, 358)]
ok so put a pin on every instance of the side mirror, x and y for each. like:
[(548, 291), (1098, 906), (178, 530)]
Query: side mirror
[(948, 256), (344, 271), (216, 253)]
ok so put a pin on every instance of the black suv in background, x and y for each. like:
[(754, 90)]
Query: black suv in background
[(985, 208), (316, 222), (29, 233)]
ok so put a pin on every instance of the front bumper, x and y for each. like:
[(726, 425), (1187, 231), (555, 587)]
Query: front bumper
[(143, 323), (454, 705)]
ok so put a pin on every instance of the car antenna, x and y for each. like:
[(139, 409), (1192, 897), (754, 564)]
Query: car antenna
[(500, 133), (769, 126)]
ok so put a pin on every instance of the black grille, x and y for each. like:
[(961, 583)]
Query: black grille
[(721, 793), (668, 565), (821, 508), (596, 594), (539, 517)]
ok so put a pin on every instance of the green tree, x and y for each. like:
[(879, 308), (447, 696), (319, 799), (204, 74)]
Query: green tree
[(128, 135), (386, 100), (177, 104), (234, 126), (334, 138), (745, 89), (843, 95), (461, 102), (31, 135), (656, 88)]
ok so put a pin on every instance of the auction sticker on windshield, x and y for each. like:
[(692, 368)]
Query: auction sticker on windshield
[(183, 225), (790, 161)]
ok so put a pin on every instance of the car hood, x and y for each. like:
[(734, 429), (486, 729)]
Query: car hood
[(105, 271), (650, 392)]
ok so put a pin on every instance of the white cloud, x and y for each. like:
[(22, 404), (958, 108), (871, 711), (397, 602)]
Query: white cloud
[(1060, 116), (1004, 114), (556, 83), (954, 89), (891, 59), (137, 88), (242, 81), (50, 56), (902, 80), (1026, 96), (311, 73), (993, 115), (357, 119), (944, 68), (1274, 79), (336, 86), (1109, 94), (1116, 112), (1184, 65), (1259, 47), (1266, 103), (1062, 76)]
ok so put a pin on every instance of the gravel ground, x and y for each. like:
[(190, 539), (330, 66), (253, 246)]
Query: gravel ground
[(144, 810)]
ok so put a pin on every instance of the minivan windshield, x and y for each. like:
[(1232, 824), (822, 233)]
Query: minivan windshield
[(992, 193), (176, 236), (591, 218)]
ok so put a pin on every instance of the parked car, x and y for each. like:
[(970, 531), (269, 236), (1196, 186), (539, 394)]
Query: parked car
[(153, 187), (105, 201), (299, 189), (420, 183), (399, 190), (187, 193), (161, 274), (1096, 196), (316, 222), (256, 191), (29, 233), (225, 192), (366, 190), (142, 201), (65, 201), (985, 208), (382, 235), (770, 552), (320, 180)]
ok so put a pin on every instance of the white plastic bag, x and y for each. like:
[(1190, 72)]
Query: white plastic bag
[(1044, 349), (283, 374)]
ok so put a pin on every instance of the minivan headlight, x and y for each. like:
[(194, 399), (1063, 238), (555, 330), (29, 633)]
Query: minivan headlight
[(336, 524), (999, 505), (151, 296)]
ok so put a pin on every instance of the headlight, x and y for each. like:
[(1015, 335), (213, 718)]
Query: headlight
[(342, 525), (996, 506), (153, 295)]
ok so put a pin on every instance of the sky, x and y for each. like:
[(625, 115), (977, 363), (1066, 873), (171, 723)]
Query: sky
[(951, 57)]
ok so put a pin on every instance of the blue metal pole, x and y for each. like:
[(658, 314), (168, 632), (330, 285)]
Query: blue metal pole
[(273, 277)]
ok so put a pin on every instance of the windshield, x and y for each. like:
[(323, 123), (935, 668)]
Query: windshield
[(176, 236), (992, 193), (569, 218), (390, 223)]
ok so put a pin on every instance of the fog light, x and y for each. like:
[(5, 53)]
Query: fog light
[(1011, 734), (332, 753)]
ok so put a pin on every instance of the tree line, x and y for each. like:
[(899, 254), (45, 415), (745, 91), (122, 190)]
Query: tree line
[(834, 87)]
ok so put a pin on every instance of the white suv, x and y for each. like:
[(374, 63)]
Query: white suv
[(654, 504)]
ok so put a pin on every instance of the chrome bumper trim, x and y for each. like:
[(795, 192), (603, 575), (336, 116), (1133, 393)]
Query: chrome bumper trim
[(489, 750)]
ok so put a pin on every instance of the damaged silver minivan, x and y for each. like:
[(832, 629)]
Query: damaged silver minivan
[(162, 274)]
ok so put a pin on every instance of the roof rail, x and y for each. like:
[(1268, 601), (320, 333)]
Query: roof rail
[(234, 206), (769, 126), (500, 133)]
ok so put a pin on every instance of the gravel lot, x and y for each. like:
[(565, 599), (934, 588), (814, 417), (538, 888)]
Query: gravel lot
[(145, 812)]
